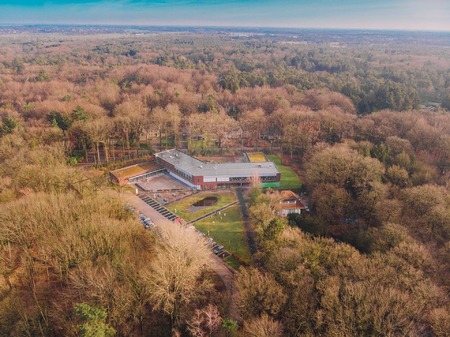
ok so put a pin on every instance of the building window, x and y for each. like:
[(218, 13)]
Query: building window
[(268, 178), (238, 178)]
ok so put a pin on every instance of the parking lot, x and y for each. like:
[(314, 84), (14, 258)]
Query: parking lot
[(151, 217)]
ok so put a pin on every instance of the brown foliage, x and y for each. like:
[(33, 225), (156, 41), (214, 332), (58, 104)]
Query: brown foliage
[(175, 279), (263, 326), (259, 293)]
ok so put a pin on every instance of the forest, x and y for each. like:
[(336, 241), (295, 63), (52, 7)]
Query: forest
[(364, 120)]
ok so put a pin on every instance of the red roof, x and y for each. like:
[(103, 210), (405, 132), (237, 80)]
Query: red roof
[(287, 200)]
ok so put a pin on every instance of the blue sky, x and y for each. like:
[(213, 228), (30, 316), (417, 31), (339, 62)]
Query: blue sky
[(370, 14)]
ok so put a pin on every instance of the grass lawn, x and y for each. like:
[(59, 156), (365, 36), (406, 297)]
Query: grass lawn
[(228, 231), (233, 262), (182, 206), (289, 179), (256, 157)]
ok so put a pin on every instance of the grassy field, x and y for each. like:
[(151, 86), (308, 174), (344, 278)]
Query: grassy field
[(181, 208), (227, 230), (289, 179), (233, 262), (256, 157)]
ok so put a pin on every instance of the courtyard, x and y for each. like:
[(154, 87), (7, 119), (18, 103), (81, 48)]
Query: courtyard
[(161, 182)]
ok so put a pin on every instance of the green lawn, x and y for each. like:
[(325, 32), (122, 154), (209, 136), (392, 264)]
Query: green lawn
[(233, 262), (289, 179), (181, 208), (227, 230)]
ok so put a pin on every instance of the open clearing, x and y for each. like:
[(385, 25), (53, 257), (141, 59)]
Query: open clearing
[(289, 179), (184, 209), (227, 230)]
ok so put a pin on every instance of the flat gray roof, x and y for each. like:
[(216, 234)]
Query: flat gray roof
[(197, 167)]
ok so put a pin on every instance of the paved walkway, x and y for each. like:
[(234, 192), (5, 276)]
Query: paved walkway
[(158, 207), (144, 208), (217, 264)]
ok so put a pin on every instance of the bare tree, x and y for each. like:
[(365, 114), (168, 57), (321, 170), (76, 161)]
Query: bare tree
[(175, 275), (161, 121), (263, 326), (256, 180), (174, 118), (98, 131), (259, 293), (204, 322), (253, 123)]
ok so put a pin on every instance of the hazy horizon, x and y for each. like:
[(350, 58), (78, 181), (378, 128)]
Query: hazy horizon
[(412, 15)]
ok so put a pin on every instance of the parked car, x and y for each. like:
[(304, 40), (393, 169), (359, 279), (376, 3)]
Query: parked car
[(218, 249), (149, 224)]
